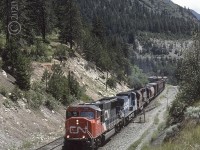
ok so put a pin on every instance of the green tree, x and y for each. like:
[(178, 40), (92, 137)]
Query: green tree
[(189, 71), (188, 74), (40, 16), (57, 82), (23, 71), (63, 89), (45, 77), (98, 28), (69, 22)]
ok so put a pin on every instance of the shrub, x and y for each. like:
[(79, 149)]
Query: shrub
[(111, 82), (34, 99), (193, 113), (103, 77), (37, 86), (7, 103), (172, 131), (84, 97), (177, 111), (39, 51), (51, 103), (16, 94), (134, 83), (61, 52), (137, 79), (4, 92)]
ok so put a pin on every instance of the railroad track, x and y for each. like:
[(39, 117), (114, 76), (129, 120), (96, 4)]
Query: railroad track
[(52, 145), (59, 141)]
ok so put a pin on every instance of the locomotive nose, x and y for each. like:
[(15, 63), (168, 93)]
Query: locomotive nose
[(77, 128)]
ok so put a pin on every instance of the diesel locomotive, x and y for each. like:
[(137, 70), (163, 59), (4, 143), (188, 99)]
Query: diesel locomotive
[(89, 125)]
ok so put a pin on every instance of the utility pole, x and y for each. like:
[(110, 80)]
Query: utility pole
[(106, 80), (167, 103), (144, 115), (69, 78)]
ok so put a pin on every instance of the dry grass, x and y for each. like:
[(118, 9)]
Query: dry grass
[(136, 143), (188, 139)]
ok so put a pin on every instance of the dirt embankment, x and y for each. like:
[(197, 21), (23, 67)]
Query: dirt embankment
[(87, 75), (23, 128)]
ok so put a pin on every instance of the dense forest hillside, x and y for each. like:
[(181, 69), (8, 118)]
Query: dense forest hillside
[(140, 23), (116, 35), (125, 17)]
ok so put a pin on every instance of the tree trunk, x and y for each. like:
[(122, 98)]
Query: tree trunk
[(70, 22), (7, 21), (43, 23)]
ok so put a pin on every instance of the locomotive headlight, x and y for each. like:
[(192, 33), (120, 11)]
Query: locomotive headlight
[(67, 136), (83, 136), (77, 122)]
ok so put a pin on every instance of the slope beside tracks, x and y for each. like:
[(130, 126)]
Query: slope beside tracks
[(54, 145)]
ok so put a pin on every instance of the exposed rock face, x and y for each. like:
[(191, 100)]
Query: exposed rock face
[(168, 48)]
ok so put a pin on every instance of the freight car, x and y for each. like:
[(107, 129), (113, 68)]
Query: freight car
[(90, 125)]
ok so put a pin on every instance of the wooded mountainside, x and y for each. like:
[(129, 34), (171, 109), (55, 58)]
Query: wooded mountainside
[(103, 32), (125, 17)]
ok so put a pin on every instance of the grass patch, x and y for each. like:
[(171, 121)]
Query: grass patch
[(197, 103), (136, 143), (188, 139), (156, 120), (51, 103), (7, 103), (26, 145), (3, 91), (85, 98), (157, 132), (34, 99)]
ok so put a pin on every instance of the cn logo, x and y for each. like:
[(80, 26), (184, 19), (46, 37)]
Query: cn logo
[(76, 130)]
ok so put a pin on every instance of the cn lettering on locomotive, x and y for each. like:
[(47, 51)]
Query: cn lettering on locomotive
[(76, 130)]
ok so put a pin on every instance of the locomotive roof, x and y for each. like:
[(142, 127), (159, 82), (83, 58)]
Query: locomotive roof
[(126, 93), (153, 83), (91, 105), (106, 99)]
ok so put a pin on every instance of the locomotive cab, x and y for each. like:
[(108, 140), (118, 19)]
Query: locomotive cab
[(83, 122), (91, 124)]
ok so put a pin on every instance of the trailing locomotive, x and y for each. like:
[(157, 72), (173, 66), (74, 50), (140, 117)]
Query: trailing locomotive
[(90, 125)]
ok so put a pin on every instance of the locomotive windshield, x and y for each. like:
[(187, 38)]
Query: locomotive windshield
[(89, 115), (72, 114)]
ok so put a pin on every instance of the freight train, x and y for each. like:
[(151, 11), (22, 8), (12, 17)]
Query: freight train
[(89, 125)]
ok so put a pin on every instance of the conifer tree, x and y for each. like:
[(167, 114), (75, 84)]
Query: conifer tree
[(41, 16), (69, 22), (45, 78), (98, 28), (23, 71)]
